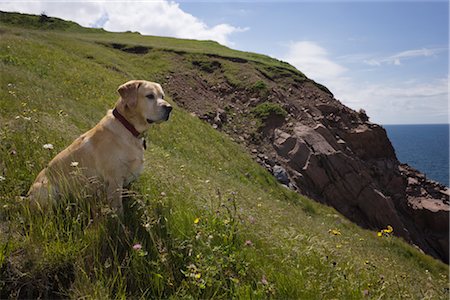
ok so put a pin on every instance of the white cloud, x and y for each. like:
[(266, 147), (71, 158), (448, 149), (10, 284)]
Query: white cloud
[(164, 18), (413, 89), (313, 60), (404, 55), (396, 102), (402, 101)]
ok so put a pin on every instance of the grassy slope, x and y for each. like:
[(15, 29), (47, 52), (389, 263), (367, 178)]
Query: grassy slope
[(56, 85)]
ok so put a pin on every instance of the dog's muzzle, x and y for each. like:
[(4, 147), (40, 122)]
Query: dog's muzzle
[(165, 117)]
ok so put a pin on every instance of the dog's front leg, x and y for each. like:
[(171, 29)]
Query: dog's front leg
[(114, 196)]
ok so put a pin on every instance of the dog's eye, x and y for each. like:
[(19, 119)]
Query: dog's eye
[(150, 96)]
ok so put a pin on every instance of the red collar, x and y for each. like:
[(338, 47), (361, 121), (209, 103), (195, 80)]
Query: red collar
[(125, 123)]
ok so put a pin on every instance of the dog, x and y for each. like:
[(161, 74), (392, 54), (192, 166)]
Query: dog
[(110, 155)]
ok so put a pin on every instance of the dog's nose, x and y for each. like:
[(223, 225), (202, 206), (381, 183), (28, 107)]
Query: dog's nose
[(168, 109)]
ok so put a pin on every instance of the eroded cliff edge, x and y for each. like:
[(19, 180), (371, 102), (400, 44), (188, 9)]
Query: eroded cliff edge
[(320, 147)]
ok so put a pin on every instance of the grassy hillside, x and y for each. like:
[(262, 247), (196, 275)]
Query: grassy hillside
[(203, 221)]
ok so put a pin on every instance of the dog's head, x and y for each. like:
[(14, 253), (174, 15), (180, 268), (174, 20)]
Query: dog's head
[(142, 103)]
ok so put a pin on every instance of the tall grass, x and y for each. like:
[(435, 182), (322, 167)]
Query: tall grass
[(203, 220)]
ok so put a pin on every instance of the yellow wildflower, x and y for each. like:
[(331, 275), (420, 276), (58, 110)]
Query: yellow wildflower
[(196, 220), (386, 231), (198, 275), (334, 232), (389, 229)]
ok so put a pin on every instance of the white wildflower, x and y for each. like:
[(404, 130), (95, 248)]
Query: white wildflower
[(48, 146), (74, 164)]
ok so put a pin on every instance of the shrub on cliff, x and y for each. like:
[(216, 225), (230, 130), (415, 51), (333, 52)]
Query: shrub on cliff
[(264, 110)]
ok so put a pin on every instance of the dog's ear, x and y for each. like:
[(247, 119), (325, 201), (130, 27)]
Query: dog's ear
[(129, 93)]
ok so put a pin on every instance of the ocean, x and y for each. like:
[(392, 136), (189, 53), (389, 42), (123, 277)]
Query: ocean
[(424, 147)]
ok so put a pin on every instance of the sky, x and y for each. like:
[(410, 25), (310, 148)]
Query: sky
[(388, 58)]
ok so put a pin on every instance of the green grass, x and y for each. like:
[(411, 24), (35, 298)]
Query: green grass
[(42, 22), (260, 89), (210, 48), (211, 222)]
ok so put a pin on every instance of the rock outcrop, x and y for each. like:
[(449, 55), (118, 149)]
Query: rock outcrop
[(324, 150), (371, 193)]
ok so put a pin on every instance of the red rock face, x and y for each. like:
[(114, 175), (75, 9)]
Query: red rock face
[(366, 183), (338, 178), (330, 153), (427, 207), (369, 141)]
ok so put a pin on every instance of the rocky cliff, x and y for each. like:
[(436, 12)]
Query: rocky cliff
[(316, 145)]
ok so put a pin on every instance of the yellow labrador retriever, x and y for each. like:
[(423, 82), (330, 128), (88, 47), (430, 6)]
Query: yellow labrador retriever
[(111, 153)]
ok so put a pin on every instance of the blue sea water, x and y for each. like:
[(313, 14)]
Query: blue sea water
[(424, 147)]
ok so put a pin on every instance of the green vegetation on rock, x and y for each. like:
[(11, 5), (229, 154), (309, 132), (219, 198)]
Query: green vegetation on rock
[(267, 109)]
